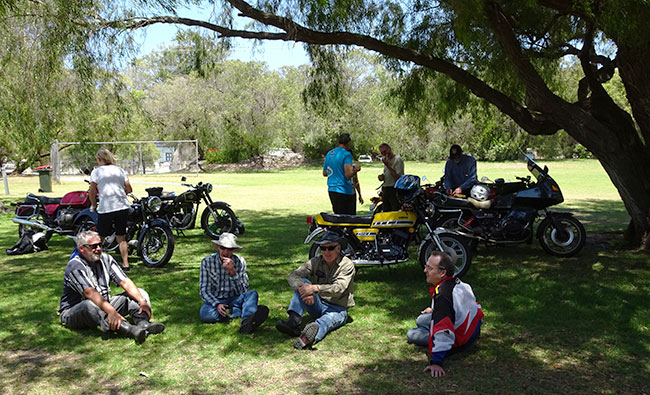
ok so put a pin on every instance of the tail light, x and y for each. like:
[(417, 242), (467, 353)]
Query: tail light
[(310, 220), (492, 194)]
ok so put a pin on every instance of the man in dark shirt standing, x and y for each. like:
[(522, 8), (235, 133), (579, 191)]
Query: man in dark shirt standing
[(460, 172), (87, 301)]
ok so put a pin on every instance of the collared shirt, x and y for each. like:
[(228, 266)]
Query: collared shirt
[(81, 274), (461, 174), (397, 163), (216, 284), (335, 162), (336, 283)]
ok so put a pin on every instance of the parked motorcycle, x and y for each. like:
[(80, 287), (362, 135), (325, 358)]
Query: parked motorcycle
[(181, 210), (383, 238), (63, 216), (505, 212), (147, 232)]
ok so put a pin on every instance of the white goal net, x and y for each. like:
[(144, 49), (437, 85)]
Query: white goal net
[(135, 157)]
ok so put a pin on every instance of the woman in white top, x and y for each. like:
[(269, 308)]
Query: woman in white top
[(112, 184)]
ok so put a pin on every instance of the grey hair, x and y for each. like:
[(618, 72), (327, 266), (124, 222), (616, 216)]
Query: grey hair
[(84, 236), (445, 262)]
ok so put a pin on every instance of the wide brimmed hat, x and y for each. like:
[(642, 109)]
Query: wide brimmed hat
[(329, 237), (228, 240)]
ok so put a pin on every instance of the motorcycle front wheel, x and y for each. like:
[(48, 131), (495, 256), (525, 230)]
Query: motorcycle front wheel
[(452, 245), (564, 242), (217, 219), (157, 246)]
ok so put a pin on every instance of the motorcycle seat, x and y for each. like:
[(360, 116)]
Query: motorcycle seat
[(34, 199), (347, 219)]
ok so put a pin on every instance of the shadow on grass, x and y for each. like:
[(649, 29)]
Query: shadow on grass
[(579, 323)]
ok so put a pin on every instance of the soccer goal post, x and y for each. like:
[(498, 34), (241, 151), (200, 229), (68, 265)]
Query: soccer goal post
[(135, 157)]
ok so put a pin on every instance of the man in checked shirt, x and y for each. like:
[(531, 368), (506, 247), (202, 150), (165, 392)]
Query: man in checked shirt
[(87, 301), (223, 284)]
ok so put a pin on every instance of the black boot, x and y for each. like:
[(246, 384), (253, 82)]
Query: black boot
[(152, 328), (291, 326), (132, 331)]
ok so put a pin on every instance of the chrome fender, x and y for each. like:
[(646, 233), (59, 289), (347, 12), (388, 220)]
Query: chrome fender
[(313, 234)]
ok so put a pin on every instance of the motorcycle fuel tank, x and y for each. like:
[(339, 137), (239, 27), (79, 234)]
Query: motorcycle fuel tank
[(394, 219)]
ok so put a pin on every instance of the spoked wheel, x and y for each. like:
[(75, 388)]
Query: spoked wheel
[(454, 246), (565, 240), (157, 246), (217, 219)]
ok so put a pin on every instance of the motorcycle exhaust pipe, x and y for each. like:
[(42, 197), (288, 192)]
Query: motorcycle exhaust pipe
[(33, 224)]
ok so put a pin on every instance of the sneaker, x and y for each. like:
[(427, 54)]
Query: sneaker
[(254, 321), (285, 327), (307, 337)]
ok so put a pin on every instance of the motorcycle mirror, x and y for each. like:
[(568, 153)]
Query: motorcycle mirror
[(183, 179)]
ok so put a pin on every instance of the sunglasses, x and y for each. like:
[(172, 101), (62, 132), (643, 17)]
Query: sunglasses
[(93, 246), (328, 248), (226, 248)]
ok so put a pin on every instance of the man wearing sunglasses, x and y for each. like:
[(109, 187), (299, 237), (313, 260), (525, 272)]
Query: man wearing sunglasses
[(323, 286), (453, 322), (223, 284), (87, 302)]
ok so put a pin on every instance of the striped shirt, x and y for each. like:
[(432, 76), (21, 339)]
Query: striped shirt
[(80, 275), (216, 285)]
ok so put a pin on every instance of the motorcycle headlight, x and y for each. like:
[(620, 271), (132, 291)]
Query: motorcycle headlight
[(153, 204), (208, 187)]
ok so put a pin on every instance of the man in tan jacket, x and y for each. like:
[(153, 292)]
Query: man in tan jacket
[(323, 286)]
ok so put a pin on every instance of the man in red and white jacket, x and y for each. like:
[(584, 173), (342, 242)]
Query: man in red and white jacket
[(453, 322)]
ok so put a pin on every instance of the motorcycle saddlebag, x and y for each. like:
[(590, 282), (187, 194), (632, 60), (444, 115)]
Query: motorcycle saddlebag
[(76, 199)]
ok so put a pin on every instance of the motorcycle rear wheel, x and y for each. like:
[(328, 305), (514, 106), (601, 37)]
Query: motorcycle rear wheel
[(454, 246), (157, 246), (558, 243), (217, 219)]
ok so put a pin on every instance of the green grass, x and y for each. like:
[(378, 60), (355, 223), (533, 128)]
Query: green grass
[(578, 325)]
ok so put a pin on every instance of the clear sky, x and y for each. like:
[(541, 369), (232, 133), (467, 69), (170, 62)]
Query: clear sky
[(275, 53)]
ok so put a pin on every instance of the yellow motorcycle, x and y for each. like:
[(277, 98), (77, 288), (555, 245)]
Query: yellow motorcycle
[(383, 238)]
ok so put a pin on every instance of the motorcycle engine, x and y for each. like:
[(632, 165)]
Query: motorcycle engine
[(65, 217), (393, 245), (515, 224)]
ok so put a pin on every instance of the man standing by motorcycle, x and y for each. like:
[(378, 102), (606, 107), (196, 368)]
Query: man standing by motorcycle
[(223, 284), (322, 286), (113, 185), (87, 301), (460, 172), (393, 169), (453, 322), (342, 177)]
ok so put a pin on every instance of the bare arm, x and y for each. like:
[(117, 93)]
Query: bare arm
[(135, 294), (92, 195), (127, 187)]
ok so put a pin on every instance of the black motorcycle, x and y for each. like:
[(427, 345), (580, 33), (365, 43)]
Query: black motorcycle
[(147, 232), (181, 210), (505, 212)]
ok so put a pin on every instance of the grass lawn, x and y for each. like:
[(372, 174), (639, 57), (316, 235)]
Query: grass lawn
[(577, 325)]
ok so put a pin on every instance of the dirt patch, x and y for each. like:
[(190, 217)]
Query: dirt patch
[(277, 160)]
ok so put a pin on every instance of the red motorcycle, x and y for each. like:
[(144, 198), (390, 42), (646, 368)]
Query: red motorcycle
[(65, 216)]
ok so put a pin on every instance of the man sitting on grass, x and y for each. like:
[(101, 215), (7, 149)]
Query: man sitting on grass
[(453, 322), (87, 301), (223, 284), (323, 286)]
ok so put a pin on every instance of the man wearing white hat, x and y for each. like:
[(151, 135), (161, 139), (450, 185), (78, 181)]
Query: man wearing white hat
[(223, 284)]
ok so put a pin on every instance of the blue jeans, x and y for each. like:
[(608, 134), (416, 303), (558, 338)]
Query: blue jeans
[(420, 334), (242, 306), (328, 316)]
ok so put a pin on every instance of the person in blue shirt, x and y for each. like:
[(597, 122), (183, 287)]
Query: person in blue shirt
[(342, 178), (460, 172)]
